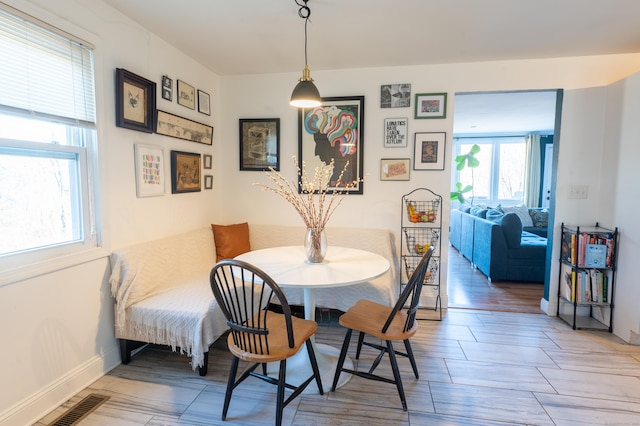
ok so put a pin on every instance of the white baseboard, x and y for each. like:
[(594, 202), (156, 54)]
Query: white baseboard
[(33, 408)]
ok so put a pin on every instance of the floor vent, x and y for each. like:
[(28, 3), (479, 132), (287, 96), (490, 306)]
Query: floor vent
[(79, 411)]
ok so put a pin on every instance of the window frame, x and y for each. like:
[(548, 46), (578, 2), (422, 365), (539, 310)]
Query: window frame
[(494, 172), (20, 265)]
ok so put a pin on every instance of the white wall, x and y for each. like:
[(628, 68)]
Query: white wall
[(57, 328), (380, 204), (625, 200), (61, 335), (599, 148)]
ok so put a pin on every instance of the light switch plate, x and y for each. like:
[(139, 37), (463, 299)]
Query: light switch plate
[(579, 191)]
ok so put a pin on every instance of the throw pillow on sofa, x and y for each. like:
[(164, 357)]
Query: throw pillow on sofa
[(512, 229), (539, 217), (494, 215), (231, 240), (521, 210), (479, 212)]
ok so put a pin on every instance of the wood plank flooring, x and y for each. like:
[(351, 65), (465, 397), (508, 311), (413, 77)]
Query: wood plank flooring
[(480, 367), (467, 287), (476, 368)]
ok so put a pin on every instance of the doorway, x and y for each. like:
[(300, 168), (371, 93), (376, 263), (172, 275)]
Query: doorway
[(504, 115)]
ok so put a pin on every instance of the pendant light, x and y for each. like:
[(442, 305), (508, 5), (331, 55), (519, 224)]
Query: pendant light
[(305, 94)]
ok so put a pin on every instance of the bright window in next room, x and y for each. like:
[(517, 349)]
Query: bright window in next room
[(500, 177), (47, 142)]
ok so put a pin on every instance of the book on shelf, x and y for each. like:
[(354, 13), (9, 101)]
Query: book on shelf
[(567, 282), (595, 255)]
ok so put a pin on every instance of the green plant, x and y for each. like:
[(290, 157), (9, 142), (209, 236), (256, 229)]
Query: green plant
[(465, 160)]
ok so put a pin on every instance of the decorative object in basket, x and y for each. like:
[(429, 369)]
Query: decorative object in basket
[(422, 211), (310, 201)]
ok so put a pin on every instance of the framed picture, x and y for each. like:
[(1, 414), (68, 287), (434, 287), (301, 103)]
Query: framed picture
[(204, 105), (135, 101), (183, 128), (167, 88), (259, 143), (395, 95), (334, 131), (149, 161), (394, 168), (208, 181), (395, 132), (429, 151), (185, 172), (431, 105), (186, 95), (206, 161)]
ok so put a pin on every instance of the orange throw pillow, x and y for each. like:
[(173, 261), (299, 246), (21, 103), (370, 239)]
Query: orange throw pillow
[(231, 240)]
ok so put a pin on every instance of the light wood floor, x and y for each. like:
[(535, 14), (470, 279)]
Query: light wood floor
[(477, 367), (468, 288)]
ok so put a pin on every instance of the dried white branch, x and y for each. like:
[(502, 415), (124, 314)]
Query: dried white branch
[(311, 201)]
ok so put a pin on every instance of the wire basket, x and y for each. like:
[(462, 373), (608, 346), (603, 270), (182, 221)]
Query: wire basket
[(418, 240), (423, 211), (431, 278)]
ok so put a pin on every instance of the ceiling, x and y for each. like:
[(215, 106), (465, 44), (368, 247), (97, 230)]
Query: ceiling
[(267, 36)]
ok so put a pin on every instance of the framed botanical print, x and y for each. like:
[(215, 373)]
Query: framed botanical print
[(429, 151), (334, 131), (135, 102)]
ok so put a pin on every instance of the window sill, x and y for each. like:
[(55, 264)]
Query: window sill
[(14, 275)]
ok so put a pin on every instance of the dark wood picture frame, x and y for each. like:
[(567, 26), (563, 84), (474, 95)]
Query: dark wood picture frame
[(185, 172), (182, 128), (135, 102), (259, 143), (319, 141)]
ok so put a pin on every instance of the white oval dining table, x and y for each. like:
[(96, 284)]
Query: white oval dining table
[(342, 266)]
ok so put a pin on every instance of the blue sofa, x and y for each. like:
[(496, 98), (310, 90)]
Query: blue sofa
[(496, 244)]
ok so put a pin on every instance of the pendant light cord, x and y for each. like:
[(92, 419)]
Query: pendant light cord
[(304, 12)]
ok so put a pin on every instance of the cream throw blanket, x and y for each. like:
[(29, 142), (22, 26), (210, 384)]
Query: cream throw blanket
[(163, 295)]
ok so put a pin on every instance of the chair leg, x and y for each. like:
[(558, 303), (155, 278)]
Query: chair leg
[(343, 355), (396, 374), (230, 385), (205, 366), (282, 377), (360, 341), (407, 346), (314, 366)]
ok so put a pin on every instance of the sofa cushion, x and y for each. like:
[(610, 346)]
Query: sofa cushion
[(539, 217), (512, 229), (478, 212), (521, 210), (231, 240), (494, 215)]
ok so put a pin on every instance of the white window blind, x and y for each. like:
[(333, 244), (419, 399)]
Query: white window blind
[(48, 147), (44, 74)]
